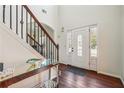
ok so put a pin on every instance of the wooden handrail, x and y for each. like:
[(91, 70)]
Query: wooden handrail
[(23, 76), (39, 24)]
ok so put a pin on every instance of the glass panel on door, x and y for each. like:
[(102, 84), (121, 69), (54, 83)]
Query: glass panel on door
[(79, 45)]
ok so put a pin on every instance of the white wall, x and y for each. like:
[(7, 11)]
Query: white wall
[(108, 20), (49, 30), (122, 27)]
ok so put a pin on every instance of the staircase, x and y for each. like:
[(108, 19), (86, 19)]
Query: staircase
[(24, 23)]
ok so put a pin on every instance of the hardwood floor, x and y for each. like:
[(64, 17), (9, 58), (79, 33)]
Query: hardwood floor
[(90, 80)]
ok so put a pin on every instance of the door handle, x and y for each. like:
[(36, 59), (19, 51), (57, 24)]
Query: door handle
[(72, 49)]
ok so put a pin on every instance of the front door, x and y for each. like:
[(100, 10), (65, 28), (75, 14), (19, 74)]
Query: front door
[(80, 48)]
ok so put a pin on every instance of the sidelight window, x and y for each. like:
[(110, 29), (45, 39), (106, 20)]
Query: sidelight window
[(69, 47)]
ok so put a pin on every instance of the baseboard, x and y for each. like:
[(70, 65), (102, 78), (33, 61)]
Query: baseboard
[(108, 74), (122, 80), (116, 76), (62, 63)]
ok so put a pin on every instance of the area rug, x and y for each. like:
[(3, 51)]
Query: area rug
[(75, 70)]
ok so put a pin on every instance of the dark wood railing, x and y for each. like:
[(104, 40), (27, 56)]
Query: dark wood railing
[(28, 27)]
